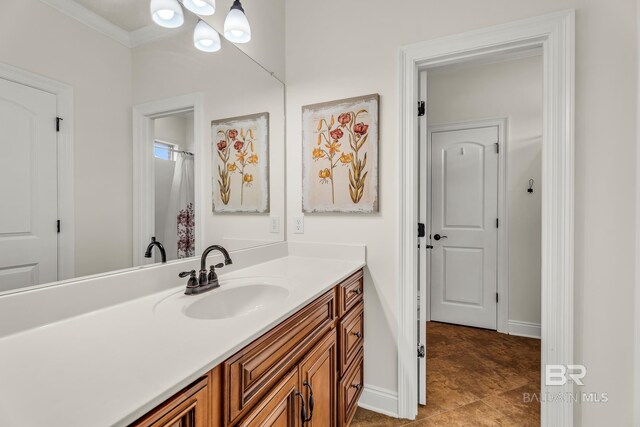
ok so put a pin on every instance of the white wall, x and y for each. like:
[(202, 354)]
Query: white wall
[(511, 90), (172, 129), (40, 39), (267, 20), (163, 172), (233, 85), (338, 49)]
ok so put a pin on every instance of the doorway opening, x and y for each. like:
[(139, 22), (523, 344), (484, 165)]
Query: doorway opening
[(554, 35), (480, 258), (167, 175), (174, 192)]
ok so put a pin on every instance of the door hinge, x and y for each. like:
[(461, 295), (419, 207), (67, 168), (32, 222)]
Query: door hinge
[(58, 225), (421, 351), (58, 120), (497, 297), (422, 108), (497, 222), (497, 147)]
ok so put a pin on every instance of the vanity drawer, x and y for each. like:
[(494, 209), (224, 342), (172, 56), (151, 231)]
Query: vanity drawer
[(350, 292), (254, 370), (351, 332), (349, 391)]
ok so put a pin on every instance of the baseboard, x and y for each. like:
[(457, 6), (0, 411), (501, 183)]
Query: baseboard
[(525, 329), (379, 400)]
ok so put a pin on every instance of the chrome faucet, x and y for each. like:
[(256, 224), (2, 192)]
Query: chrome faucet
[(154, 242), (206, 280)]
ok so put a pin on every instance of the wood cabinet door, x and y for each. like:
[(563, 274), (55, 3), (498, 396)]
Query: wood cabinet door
[(318, 375), (279, 408), (189, 408)]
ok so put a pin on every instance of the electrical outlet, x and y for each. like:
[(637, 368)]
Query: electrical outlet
[(299, 225), (274, 224)]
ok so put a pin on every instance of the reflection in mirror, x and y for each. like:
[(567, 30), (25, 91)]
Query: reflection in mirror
[(85, 188), (173, 186)]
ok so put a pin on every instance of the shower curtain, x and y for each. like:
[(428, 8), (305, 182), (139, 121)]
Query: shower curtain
[(180, 225)]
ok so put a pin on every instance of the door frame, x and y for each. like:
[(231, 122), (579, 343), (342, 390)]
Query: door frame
[(143, 167), (66, 211), (555, 33), (502, 269)]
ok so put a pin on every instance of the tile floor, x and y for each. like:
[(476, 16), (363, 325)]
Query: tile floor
[(475, 377)]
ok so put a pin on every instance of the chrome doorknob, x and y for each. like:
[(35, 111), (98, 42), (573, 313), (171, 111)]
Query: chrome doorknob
[(438, 237)]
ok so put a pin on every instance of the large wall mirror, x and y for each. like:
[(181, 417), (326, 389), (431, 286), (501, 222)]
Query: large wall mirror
[(115, 132)]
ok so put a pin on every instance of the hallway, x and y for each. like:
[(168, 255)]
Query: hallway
[(475, 377)]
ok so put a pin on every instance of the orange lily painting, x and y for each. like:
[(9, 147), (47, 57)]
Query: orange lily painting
[(340, 156), (240, 174)]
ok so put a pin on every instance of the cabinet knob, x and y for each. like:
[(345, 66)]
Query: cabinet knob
[(358, 334), (357, 386), (357, 291)]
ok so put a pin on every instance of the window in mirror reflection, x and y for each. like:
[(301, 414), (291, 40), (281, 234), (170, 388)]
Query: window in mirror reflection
[(164, 150)]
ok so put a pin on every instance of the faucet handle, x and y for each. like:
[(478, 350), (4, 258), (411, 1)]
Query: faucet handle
[(184, 274), (212, 277)]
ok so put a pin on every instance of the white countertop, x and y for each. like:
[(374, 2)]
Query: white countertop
[(111, 366)]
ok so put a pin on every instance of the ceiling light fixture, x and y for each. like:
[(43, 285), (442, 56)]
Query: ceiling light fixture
[(200, 7), (170, 14), (167, 13), (205, 38), (236, 25)]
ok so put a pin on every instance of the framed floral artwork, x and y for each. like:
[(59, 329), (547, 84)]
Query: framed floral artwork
[(240, 172), (340, 156)]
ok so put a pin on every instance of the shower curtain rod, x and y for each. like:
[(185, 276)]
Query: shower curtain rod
[(178, 151)]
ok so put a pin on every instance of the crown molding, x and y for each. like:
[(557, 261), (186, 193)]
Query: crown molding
[(91, 20), (147, 34)]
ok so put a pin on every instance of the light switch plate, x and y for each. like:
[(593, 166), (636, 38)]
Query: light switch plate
[(274, 224), (299, 225)]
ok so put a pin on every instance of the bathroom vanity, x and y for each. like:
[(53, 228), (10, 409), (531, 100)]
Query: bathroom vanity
[(132, 349), (315, 355)]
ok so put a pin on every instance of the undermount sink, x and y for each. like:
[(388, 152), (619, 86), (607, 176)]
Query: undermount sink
[(235, 301)]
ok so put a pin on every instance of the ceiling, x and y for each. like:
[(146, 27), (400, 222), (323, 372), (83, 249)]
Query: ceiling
[(130, 15)]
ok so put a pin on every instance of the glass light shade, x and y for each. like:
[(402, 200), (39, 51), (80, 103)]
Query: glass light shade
[(206, 38), (167, 13), (236, 25), (200, 7)]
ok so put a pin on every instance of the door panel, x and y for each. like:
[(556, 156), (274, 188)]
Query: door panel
[(28, 187), (464, 210), (319, 370), (463, 192)]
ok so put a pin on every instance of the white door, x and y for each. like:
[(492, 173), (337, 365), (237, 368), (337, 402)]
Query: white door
[(28, 187), (464, 212)]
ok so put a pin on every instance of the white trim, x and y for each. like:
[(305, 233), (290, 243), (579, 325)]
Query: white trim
[(555, 34), (149, 34), (91, 20), (636, 397), (424, 259), (502, 270), (143, 167), (525, 329), (379, 400), (105, 27), (66, 209)]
